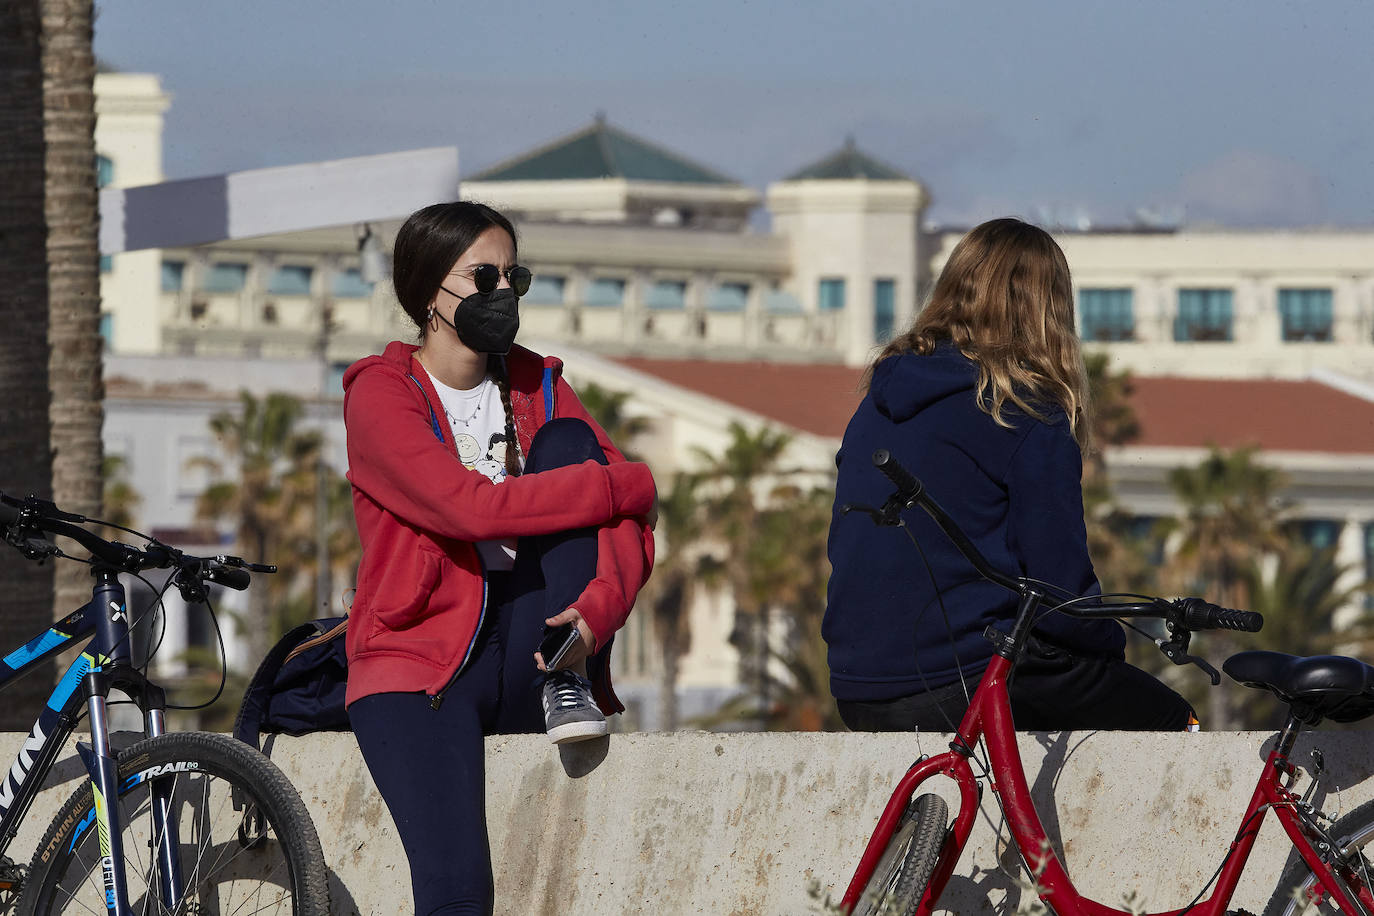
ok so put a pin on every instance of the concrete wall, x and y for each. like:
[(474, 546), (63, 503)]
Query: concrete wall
[(768, 825)]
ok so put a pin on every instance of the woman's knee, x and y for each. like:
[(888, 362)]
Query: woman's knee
[(562, 442)]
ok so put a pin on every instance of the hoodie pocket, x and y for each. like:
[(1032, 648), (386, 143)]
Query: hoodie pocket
[(408, 586)]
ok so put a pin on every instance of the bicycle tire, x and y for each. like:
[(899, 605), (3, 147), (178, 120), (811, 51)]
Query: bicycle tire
[(908, 861), (266, 851), (1355, 829)]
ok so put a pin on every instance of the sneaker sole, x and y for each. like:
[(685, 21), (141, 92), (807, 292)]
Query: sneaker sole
[(578, 731)]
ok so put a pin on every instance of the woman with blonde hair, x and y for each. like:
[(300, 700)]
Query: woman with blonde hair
[(984, 398)]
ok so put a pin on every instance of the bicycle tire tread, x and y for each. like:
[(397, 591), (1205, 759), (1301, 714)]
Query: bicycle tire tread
[(226, 758)]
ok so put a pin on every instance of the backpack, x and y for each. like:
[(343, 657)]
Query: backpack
[(299, 687)]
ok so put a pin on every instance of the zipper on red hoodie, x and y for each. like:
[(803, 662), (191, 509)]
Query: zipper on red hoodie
[(436, 700)]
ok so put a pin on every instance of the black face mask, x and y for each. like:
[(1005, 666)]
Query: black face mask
[(486, 322)]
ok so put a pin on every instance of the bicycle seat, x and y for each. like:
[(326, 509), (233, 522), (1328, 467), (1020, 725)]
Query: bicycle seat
[(1333, 687)]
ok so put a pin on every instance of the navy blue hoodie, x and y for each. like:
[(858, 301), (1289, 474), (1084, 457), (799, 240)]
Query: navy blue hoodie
[(1016, 493)]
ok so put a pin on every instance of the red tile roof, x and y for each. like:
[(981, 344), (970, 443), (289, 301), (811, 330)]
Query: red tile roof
[(1276, 415), (816, 398)]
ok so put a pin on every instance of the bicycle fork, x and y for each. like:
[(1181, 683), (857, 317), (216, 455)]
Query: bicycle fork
[(103, 766)]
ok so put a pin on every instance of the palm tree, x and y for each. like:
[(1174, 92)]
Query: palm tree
[(270, 502), (118, 495), (748, 462), (1231, 516), (607, 407), (791, 570), (671, 590), (25, 457), (1120, 555), (73, 258)]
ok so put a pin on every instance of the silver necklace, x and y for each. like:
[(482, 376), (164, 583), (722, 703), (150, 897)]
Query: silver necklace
[(480, 398)]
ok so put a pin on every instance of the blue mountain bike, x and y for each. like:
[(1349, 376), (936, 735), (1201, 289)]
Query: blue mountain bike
[(178, 823)]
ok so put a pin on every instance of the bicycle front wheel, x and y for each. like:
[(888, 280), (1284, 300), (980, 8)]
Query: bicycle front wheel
[(245, 841), (1298, 889), (908, 862)]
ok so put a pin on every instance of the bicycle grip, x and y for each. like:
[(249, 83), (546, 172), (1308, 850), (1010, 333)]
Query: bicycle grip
[(1203, 615), (908, 487), (237, 579)]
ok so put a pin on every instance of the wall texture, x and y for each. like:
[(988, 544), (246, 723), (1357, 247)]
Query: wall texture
[(769, 825)]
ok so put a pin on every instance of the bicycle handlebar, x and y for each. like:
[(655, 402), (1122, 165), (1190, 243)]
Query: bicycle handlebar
[(1189, 613), (34, 515)]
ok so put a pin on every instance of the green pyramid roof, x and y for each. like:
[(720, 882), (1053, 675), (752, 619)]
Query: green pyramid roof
[(601, 151), (849, 162)]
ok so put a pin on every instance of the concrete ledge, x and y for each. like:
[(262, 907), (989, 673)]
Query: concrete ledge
[(769, 824)]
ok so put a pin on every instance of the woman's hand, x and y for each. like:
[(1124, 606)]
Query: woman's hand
[(583, 648)]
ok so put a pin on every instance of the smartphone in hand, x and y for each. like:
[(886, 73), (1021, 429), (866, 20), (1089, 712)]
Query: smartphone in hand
[(556, 643)]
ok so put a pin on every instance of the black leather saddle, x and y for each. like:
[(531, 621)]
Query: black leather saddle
[(1318, 687)]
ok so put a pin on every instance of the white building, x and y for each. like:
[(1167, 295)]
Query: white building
[(651, 275)]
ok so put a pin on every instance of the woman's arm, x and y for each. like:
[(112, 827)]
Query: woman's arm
[(394, 457)]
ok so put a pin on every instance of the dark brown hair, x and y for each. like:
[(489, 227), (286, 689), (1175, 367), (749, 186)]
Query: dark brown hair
[(428, 244), (1005, 299)]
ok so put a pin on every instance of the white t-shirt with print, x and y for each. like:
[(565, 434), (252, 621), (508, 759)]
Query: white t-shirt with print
[(478, 422)]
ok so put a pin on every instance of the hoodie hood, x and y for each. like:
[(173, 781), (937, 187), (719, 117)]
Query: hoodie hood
[(907, 384)]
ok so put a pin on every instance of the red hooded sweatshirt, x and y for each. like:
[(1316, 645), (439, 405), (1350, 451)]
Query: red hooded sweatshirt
[(421, 594)]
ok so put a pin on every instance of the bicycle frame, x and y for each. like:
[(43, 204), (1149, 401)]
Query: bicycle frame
[(989, 716), (105, 663)]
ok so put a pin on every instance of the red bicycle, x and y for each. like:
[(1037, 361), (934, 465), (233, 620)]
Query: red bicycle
[(915, 847)]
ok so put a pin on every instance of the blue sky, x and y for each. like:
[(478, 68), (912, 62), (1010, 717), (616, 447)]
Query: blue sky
[(1235, 113)]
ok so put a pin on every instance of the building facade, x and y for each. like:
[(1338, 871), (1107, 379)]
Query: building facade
[(655, 275)]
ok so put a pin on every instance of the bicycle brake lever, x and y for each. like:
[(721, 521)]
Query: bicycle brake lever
[(1177, 652), (887, 516)]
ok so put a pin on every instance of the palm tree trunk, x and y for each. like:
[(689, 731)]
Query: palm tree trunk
[(25, 459), (73, 256)]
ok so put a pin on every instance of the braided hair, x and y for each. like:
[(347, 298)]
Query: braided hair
[(428, 244), (496, 367)]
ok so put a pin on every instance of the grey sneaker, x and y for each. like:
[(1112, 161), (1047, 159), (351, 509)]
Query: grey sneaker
[(570, 713)]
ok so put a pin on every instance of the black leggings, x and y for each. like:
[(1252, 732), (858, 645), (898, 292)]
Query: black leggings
[(428, 764), (1052, 689)]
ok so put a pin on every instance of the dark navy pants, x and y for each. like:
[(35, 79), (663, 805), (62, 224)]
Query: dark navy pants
[(429, 764), (1052, 689)]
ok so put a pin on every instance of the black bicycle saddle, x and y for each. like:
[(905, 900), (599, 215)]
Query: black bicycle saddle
[(1318, 687)]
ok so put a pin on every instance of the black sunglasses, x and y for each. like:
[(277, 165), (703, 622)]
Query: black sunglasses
[(486, 276)]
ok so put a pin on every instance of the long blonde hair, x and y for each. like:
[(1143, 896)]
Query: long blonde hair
[(1005, 299)]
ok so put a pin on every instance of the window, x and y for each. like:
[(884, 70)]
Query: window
[(104, 171), (1305, 314), (1319, 533), (1203, 314), (667, 294), (606, 291), (1106, 314), (106, 330), (226, 278), (172, 274), (106, 263), (831, 295), (290, 280), (884, 309), (781, 302), (546, 289), (728, 297), (348, 284)]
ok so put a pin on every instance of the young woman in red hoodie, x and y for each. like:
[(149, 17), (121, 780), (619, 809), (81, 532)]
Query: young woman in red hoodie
[(493, 512)]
